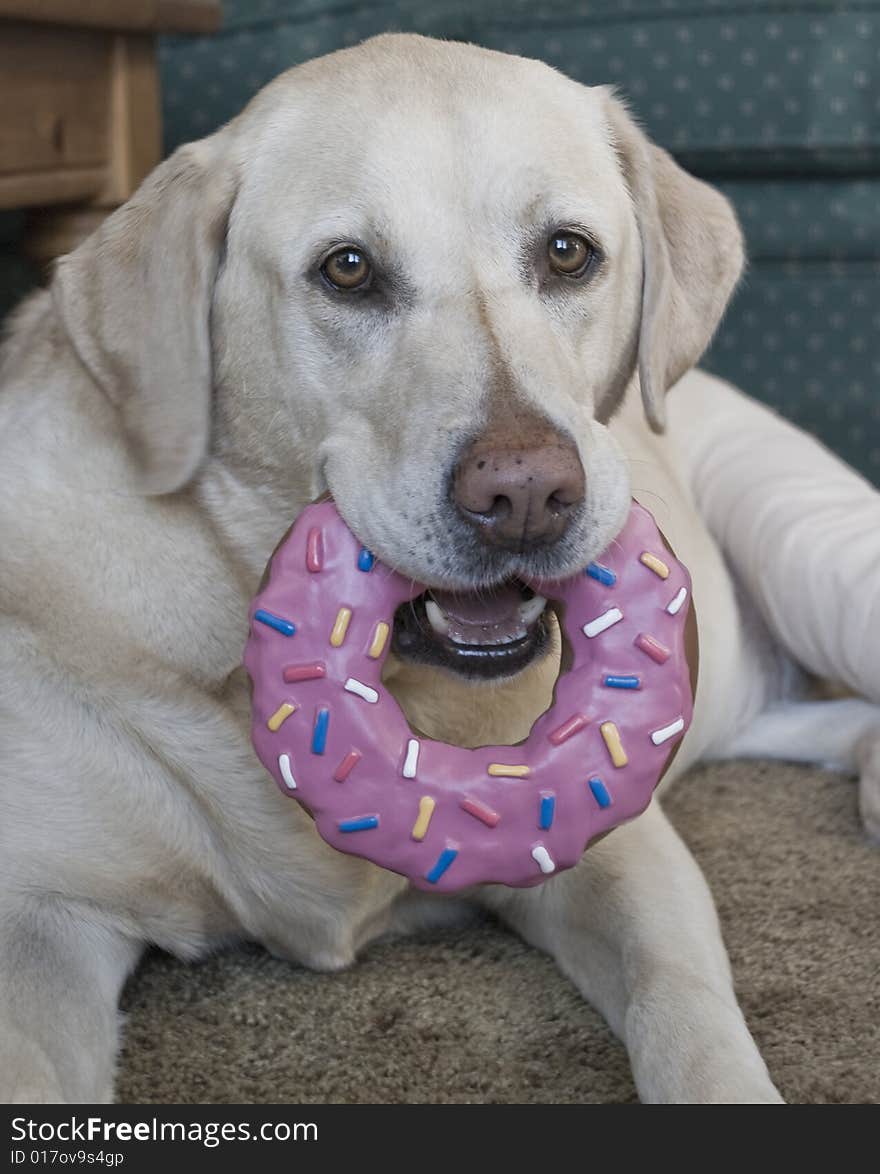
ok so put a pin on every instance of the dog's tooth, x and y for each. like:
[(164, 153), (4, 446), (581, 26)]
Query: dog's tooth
[(531, 609), (436, 618)]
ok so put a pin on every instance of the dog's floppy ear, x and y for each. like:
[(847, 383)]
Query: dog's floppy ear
[(692, 256), (135, 301)]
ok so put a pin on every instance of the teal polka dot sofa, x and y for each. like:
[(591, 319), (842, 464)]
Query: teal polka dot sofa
[(775, 101)]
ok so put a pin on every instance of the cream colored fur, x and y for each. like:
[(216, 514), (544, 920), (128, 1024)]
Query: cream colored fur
[(185, 387)]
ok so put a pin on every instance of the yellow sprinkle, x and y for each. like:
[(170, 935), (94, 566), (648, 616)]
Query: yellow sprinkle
[(611, 734), (340, 627), (657, 565), (501, 770), (379, 637), (281, 714), (426, 810)]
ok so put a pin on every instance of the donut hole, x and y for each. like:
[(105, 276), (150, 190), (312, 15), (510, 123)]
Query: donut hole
[(446, 707)]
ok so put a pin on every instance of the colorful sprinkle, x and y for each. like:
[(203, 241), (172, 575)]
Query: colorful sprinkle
[(612, 682), (548, 808), (543, 859), (304, 672), (315, 550), (426, 810), (352, 685), (285, 627), (363, 823), (444, 860), (347, 766), (601, 623), (286, 772), (602, 574), (319, 733), (380, 635), (600, 792), (674, 606), (661, 736), (501, 770), (340, 626), (657, 651), (575, 723), (365, 560), (657, 565), (411, 763), (280, 716), (611, 736), (481, 812)]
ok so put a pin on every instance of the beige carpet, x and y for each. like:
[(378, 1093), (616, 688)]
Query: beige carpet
[(475, 1016)]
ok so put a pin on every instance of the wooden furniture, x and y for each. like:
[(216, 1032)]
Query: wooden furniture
[(80, 122)]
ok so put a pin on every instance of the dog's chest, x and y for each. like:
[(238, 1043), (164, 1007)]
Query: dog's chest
[(293, 893), (248, 861)]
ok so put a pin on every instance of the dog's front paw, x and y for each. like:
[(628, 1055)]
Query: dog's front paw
[(27, 1077), (25, 1094), (745, 1091)]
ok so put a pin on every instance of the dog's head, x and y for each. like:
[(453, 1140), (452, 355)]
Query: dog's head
[(420, 275)]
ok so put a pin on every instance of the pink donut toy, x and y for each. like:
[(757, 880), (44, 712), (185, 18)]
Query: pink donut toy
[(445, 817)]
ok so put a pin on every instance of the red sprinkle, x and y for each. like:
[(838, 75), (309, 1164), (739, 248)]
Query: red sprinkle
[(481, 811), (315, 549), (565, 731), (657, 651), (347, 765), (304, 672)]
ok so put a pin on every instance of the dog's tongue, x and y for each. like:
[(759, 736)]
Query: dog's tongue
[(495, 617)]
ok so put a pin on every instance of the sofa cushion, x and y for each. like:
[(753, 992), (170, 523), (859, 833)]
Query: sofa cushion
[(817, 219), (802, 337)]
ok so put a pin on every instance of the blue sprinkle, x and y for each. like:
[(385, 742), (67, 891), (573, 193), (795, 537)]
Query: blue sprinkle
[(603, 574), (623, 682), (285, 627), (359, 825), (365, 560), (600, 792), (548, 806), (319, 734), (444, 860)]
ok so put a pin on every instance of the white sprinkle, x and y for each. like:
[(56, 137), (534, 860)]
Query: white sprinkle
[(660, 736), (362, 690), (543, 859), (613, 616), (284, 767), (675, 606), (412, 759)]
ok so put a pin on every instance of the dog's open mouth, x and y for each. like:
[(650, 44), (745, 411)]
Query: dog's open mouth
[(487, 634)]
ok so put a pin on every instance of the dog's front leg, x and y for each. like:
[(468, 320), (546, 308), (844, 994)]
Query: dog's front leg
[(61, 973), (634, 926)]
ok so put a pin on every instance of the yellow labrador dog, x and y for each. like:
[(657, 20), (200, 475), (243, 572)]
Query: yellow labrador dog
[(398, 256)]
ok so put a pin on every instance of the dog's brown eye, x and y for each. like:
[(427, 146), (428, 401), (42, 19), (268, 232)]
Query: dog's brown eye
[(569, 253), (347, 268)]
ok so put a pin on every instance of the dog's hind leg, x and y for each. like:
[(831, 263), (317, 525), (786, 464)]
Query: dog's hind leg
[(800, 529), (840, 735), (830, 733), (60, 978), (801, 532), (634, 927)]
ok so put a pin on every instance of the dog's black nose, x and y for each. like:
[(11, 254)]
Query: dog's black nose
[(519, 496)]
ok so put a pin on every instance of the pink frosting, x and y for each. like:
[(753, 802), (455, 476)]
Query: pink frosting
[(477, 826)]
